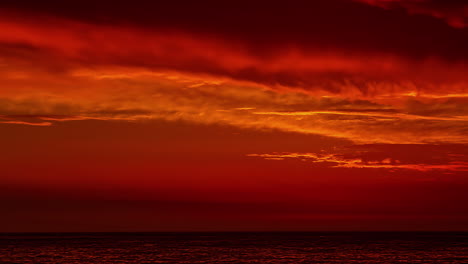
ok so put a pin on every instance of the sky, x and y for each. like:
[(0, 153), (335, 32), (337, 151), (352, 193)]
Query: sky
[(328, 115)]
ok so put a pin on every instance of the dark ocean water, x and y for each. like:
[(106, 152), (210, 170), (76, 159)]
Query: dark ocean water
[(235, 248)]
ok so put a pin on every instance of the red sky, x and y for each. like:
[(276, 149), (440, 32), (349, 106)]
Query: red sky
[(233, 115)]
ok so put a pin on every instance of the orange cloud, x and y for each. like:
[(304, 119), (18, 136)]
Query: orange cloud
[(27, 123), (358, 163), (134, 95), (393, 157)]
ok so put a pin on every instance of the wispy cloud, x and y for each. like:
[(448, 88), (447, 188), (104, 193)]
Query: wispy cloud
[(27, 123), (436, 158), (132, 94)]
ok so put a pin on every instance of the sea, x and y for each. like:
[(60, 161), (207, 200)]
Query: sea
[(235, 247)]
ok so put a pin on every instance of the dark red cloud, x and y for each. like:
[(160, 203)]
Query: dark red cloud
[(286, 60), (267, 25), (454, 12)]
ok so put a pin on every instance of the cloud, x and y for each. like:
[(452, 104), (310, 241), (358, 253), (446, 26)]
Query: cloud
[(335, 69), (132, 94), (267, 26), (85, 70), (448, 158), (27, 123), (453, 12)]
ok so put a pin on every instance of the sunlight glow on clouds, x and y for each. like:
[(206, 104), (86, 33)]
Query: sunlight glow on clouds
[(83, 71), (128, 95)]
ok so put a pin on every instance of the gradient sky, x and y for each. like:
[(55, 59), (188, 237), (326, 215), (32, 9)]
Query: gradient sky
[(238, 115)]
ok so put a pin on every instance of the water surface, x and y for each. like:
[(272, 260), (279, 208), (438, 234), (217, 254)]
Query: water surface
[(234, 248)]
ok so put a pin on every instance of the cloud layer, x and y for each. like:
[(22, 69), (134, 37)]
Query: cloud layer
[(87, 69)]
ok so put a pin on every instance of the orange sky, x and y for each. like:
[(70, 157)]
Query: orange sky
[(352, 116)]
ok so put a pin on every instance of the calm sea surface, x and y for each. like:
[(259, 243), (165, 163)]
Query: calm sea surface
[(235, 248)]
